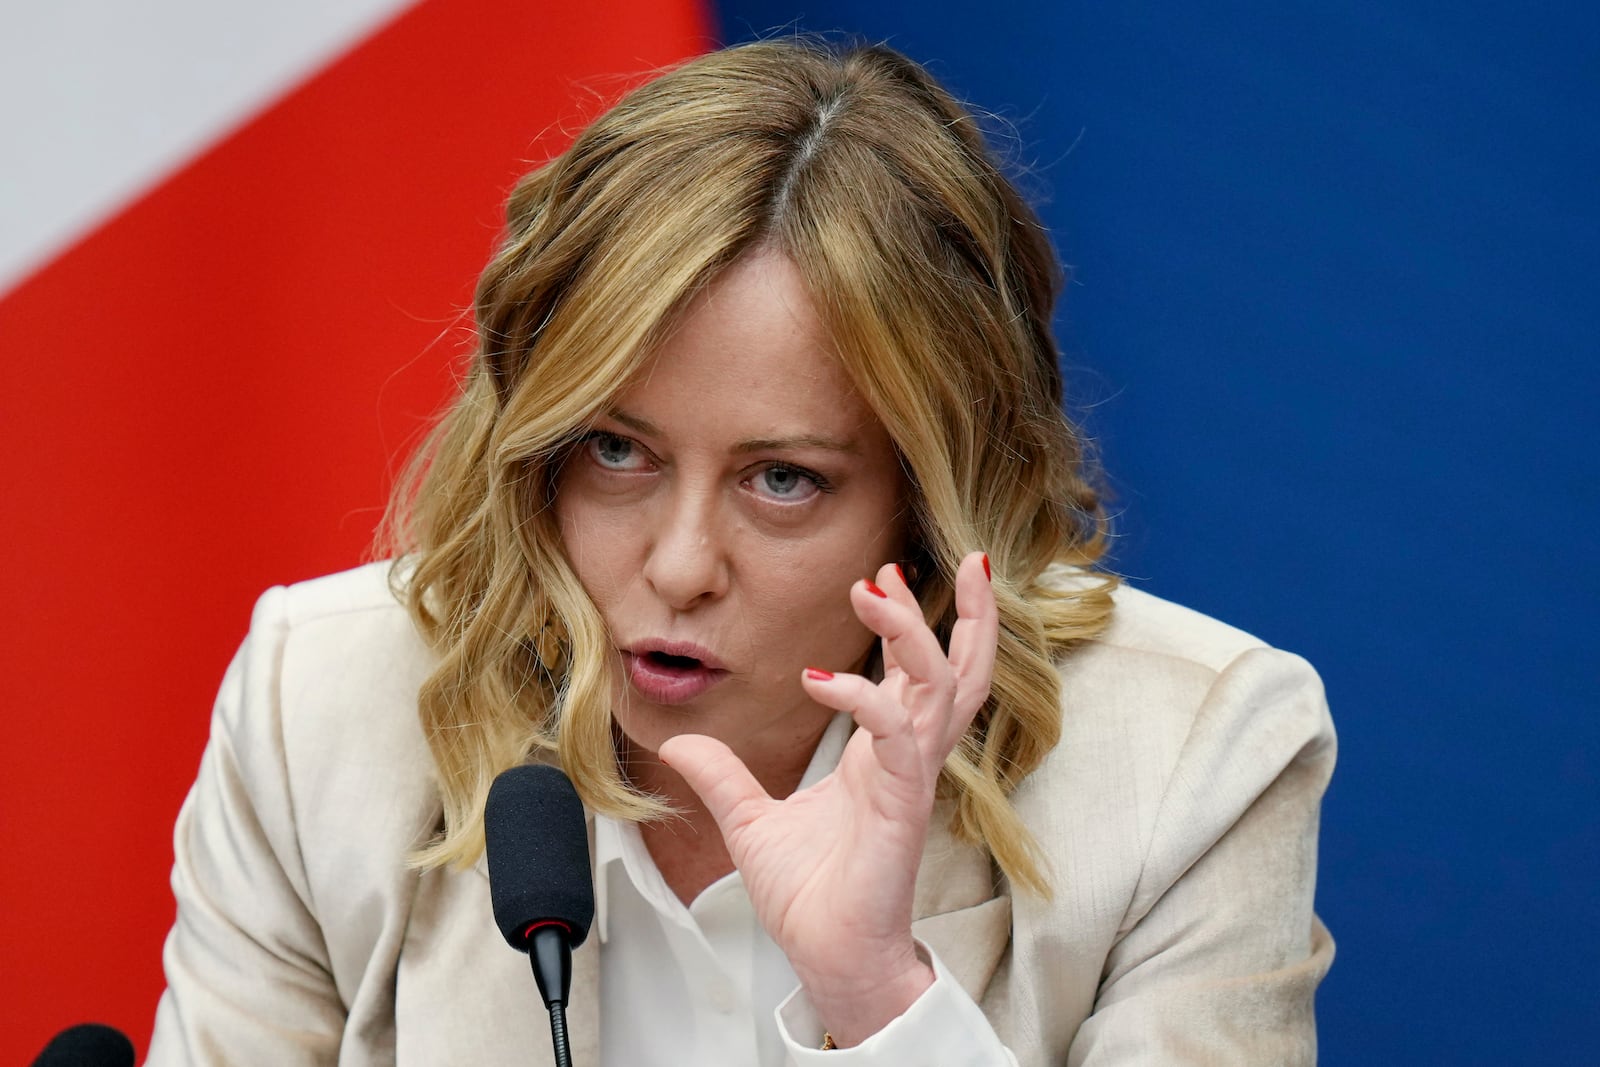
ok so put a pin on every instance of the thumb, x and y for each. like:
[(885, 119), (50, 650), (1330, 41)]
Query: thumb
[(719, 778)]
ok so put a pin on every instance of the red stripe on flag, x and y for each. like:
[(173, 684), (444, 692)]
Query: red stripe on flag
[(205, 397)]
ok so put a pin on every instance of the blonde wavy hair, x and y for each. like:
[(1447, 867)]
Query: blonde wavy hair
[(937, 283)]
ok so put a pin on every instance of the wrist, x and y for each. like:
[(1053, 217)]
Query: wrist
[(852, 1006)]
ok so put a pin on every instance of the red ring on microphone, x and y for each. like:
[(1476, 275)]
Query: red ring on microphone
[(531, 927)]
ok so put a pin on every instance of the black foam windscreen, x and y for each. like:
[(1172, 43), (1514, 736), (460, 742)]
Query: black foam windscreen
[(538, 846), (87, 1045)]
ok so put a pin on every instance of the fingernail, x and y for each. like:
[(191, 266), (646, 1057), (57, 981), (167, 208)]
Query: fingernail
[(902, 575), (818, 674), (986, 573), (873, 589)]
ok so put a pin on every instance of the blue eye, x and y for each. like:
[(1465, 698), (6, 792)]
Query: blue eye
[(787, 483), (611, 450)]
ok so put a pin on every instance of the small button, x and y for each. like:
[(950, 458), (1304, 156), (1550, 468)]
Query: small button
[(723, 998)]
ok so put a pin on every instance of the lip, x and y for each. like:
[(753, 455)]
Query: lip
[(671, 685)]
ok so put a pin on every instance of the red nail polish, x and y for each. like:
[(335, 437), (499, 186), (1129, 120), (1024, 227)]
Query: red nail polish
[(902, 575), (873, 589), (818, 674), (986, 573)]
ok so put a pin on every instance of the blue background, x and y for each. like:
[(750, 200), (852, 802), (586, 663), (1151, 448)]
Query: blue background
[(1333, 320)]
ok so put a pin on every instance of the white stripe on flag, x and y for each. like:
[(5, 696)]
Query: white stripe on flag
[(100, 99)]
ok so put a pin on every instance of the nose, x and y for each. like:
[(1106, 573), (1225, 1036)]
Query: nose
[(687, 564)]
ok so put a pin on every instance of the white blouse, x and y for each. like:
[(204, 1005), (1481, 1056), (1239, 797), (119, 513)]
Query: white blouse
[(705, 984)]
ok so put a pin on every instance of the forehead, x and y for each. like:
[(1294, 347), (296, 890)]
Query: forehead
[(747, 357)]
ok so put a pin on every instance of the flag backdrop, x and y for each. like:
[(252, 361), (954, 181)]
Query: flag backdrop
[(212, 361), (1332, 315)]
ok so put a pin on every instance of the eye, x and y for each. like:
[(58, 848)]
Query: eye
[(788, 484), (614, 452)]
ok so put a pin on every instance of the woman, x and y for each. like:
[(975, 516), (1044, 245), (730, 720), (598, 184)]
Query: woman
[(758, 513)]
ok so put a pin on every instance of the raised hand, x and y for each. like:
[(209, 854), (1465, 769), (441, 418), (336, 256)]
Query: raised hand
[(831, 870)]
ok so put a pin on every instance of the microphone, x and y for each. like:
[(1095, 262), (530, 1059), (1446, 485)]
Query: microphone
[(87, 1045), (539, 879)]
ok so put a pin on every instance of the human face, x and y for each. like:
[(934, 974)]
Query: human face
[(719, 512)]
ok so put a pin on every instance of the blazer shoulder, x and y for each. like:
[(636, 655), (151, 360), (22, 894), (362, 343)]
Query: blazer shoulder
[(1173, 725), (346, 625), (1159, 665), (359, 589), (1164, 686), (1145, 623), (331, 666), (323, 765)]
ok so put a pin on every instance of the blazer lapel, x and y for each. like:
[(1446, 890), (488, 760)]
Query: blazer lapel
[(583, 1002), (961, 911)]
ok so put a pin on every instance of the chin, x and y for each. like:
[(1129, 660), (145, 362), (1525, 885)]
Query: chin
[(642, 728)]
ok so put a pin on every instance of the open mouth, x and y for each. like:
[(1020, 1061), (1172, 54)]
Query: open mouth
[(671, 678), (677, 663)]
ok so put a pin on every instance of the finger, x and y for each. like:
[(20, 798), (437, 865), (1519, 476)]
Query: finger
[(719, 778), (973, 641), (892, 580), (906, 637), (894, 737)]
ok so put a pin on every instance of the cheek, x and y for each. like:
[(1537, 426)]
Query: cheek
[(594, 544), (805, 619)]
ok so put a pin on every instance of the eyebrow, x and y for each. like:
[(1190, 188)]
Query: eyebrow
[(847, 446)]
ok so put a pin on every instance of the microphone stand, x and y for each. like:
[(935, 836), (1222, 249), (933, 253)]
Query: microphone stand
[(551, 957)]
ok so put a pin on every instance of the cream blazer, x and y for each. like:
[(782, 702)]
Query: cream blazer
[(1178, 813)]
